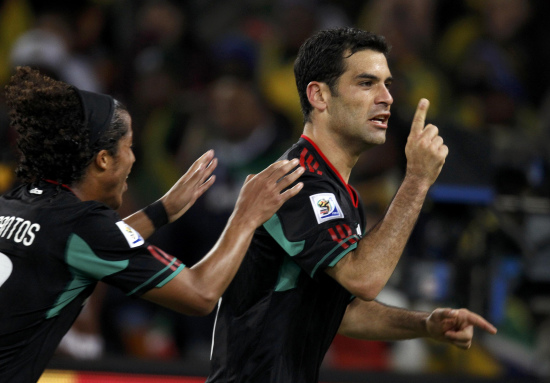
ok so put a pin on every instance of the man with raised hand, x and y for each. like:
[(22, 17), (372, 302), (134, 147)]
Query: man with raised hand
[(311, 271)]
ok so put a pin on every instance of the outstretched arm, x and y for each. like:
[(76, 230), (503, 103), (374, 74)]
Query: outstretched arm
[(372, 320), (196, 290), (365, 271), (181, 196)]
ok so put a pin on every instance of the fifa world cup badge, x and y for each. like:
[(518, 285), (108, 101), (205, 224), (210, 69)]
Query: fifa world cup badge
[(325, 206)]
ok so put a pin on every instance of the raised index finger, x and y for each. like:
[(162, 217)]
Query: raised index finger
[(420, 116)]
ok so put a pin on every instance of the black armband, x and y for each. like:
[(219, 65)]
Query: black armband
[(157, 214)]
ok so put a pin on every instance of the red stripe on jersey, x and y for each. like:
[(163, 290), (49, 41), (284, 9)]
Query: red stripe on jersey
[(353, 194), (348, 230), (340, 231), (333, 235), (163, 257), (316, 166), (303, 158), (309, 161), (153, 251)]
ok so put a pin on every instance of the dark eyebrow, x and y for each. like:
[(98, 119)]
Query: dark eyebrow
[(368, 76)]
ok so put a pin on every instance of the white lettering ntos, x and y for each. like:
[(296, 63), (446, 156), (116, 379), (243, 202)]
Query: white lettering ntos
[(18, 229)]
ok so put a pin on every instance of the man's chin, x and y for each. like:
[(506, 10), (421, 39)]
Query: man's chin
[(375, 141)]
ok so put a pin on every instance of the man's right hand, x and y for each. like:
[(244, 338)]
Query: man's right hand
[(197, 289), (261, 195), (425, 149)]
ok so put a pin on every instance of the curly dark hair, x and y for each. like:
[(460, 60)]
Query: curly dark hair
[(321, 58), (49, 118)]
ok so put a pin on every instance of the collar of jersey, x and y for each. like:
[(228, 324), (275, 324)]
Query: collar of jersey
[(59, 184), (351, 190)]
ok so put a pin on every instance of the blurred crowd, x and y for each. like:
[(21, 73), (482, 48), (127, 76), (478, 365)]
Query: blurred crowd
[(201, 74)]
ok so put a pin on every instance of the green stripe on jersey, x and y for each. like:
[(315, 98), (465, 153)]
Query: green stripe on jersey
[(275, 229), (80, 257), (166, 280), (288, 275), (339, 256), (171, 276), (289, 272)]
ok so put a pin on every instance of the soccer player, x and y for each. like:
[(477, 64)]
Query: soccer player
[(311, 271), (60, 234)]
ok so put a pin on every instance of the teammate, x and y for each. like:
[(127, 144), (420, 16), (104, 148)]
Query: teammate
[(310, 271), (60, 234)]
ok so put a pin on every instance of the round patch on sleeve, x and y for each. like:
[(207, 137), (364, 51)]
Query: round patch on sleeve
[(325, 207)]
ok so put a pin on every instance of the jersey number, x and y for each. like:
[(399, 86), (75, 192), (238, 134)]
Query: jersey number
[(6, 268)]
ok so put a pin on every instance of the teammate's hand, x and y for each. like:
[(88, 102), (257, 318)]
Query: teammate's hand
[(190, 186), (456, 326), (425, 149), (261, 195)]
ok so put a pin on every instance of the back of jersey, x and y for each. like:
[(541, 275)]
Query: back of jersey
[(34, 226)]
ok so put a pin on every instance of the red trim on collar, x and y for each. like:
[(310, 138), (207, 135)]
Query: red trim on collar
[(351, 190), (60, 184)]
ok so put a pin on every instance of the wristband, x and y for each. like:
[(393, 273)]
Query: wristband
[(157, 214)]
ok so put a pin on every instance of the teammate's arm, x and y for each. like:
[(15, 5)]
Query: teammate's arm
[(196, 290), (366, 270), (181, 196), (372, 320)]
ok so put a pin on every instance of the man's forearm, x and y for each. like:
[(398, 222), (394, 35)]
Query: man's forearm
[(372, 320), (196, 291), (216, 270), (366, 270)]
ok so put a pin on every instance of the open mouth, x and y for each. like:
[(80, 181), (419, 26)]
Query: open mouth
[(381, 119)]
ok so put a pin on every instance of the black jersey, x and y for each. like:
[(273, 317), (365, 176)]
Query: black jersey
[(280, 314), (53, 250)]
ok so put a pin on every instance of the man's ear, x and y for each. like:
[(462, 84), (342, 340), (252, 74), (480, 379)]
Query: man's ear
[(317, 94), (103, 160)]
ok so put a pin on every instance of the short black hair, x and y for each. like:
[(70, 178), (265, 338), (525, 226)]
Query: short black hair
[(321, 58), (52, 138)]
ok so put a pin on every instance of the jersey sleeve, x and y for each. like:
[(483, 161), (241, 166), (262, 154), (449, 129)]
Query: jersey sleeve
[(316, 227), (103, 247)]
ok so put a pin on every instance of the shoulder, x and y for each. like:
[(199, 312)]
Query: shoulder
[(96, 221)]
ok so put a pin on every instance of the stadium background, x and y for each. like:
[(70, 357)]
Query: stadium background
[(218, 73)]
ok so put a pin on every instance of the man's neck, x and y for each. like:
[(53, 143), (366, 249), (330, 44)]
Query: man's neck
[(82, 191), (339, 156), (88, 188)]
